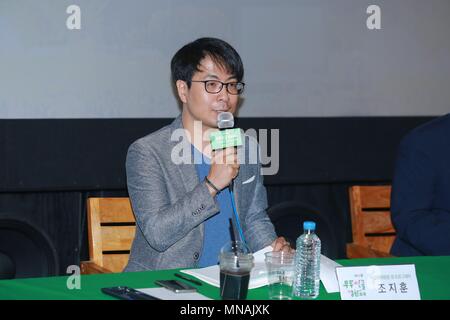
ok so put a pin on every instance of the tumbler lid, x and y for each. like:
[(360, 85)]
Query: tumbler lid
[(238, 247)]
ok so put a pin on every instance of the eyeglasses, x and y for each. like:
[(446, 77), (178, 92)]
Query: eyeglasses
[(215, 86)]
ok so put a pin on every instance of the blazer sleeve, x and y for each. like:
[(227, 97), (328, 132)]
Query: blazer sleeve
[(414, 216), (259, 231), (163, 222)]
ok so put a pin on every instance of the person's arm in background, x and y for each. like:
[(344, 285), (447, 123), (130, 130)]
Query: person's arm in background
[(416, 221)]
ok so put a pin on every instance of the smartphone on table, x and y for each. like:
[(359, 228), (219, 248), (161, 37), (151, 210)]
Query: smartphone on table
[(127, 293), (176, 286)]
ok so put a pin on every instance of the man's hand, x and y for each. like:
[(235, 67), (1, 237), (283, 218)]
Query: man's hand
[(224, 168), (280, 244)]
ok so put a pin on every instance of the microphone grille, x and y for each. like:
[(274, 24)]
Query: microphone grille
[(225, 120)]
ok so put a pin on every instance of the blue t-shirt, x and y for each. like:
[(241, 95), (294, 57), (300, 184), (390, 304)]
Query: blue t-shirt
[(217, 227)]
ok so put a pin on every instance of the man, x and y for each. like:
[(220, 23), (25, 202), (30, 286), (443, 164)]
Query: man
[(182, 210), (421, 191)]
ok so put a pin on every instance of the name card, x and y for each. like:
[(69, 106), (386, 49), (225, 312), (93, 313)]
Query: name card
[(393, 282)]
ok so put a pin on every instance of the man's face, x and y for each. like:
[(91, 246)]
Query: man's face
[(199, 105)]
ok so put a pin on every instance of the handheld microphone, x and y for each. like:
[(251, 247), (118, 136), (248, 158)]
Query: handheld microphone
[(227, 136), (224, 138), (225, 120), (225, 123)]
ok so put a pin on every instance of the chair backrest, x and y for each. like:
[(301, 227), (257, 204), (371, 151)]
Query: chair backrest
[(111, 229), (371, 217)]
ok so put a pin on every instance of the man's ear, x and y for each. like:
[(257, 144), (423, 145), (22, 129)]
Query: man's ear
[(182, 90)]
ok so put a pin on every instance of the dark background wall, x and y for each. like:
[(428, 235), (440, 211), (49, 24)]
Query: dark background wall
[(50, 167)]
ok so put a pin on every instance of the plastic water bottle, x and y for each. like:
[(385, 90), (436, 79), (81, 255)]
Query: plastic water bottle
[(307, 263)]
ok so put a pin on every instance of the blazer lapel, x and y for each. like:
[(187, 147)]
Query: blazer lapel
[(188, 172)]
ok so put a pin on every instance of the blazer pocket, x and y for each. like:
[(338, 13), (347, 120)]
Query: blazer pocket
[(249, 180)]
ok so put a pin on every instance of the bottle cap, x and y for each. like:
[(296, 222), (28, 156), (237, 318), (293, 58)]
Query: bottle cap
[(309, 225)]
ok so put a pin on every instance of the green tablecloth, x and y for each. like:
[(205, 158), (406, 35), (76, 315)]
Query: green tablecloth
[(433, 274)]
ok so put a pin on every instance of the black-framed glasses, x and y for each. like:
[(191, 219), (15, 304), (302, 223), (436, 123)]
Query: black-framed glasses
[(215, 86)]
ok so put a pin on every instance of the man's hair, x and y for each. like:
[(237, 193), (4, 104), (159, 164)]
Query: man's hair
[(187, 60)]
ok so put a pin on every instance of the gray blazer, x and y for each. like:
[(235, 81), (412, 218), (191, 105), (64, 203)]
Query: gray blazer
[(170, 204)]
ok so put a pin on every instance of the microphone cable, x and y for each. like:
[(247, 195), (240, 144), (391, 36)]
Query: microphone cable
[(236, 216)]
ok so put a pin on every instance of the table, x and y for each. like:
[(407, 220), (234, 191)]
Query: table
[(433, 274)]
